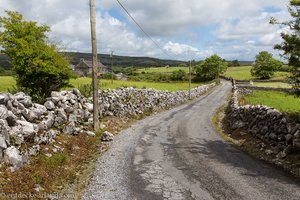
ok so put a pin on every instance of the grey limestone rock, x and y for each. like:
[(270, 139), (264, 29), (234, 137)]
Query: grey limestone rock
[(90, 133), (60, 117), (89, 107), (4, 98), (3, 144), (69, 128), (49, 105), (19, 96), (4, 129), (13, 156), (26, 102), (107, 136), (11, 118), (76, 92), (29, 115), (39, 110), (3, 112), (28, 129), (34, 150)]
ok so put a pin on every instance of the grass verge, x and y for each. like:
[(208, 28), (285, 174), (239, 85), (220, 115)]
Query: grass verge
[(67, 171), (68, 158)]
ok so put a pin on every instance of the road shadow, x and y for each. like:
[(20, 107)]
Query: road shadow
[(227, 154)]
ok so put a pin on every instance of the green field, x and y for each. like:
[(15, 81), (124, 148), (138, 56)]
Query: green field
[(106, 84), (7, 82), (243, 73), (279, 100), (272, 84), (162, 69)]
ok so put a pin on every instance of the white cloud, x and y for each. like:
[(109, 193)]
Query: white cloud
[(177, 48), (248, 27), (186, 51), (163, 17), (241, 26)]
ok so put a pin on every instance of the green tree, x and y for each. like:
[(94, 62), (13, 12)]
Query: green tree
[(39, 67), (178, 75), (265, 65), (2, 71), (234, 63), (210, 68), (182, 65), (291, 42), (108, 76)]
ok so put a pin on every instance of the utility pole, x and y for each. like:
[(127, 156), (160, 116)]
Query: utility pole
[(112, 73), (219, 70), (190, 78), (95, 64)]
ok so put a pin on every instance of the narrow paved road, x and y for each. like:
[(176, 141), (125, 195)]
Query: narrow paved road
[(178, 155)]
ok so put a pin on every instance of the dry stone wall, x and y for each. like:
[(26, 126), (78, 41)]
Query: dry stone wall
[(68, 112), (265, 123)]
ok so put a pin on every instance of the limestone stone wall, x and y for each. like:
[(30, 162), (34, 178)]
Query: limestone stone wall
[(265, 123), (68, 112)]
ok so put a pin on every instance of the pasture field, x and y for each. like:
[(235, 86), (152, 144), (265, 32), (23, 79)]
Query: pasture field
[(278, 100), (7, 82), (272, 84), (162, 69), (243, 73), (106, 84)]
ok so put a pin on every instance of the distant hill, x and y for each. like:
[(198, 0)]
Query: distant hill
[(124, 61)]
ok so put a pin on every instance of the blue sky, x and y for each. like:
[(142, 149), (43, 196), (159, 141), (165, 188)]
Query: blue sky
[(184, 29)]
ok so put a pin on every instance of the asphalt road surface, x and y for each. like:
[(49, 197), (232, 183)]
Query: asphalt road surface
[(178, 155)]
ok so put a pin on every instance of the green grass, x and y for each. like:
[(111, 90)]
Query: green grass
[(272, 84), (6, 83), (243, 73), (106, 84), (279, 100), (162, 69)]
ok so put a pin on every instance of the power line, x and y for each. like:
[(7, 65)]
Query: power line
[(143, 29)]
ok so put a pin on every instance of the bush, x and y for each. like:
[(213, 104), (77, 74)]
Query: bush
[(109, 75), (234, 63), (285, 68), (265, 65), (178, 75), (39, 68), (129, 71), (86, 89), (1, 70)]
